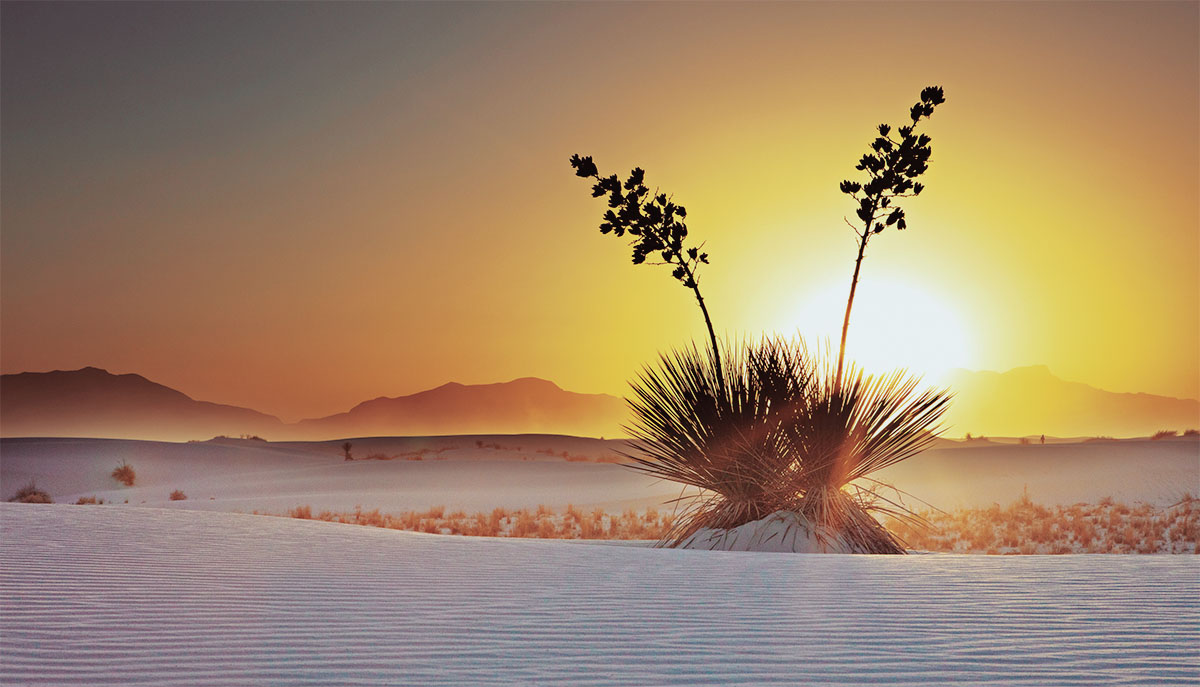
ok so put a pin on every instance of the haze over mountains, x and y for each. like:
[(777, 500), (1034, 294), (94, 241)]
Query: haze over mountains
[(1031, 400), (91, 402)]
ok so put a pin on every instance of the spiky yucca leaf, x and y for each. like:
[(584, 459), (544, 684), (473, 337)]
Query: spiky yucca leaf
[(779, 435), (724, 439)]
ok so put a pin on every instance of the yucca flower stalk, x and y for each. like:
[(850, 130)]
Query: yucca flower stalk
[(655, 225), (892, 166)]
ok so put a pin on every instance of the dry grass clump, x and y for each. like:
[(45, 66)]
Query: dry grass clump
[(1027, 527), (88, 500), (541, 522), (31, 494), (124, 474), (178, 495)]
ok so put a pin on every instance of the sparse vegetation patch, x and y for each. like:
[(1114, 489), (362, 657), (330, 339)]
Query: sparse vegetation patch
[(124, 474), (31, 494), (1025, 527)]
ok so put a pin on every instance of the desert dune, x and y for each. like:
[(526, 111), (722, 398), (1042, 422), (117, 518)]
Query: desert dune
[(120, 596)]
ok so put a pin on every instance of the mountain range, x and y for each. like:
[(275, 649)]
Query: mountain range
[(91, 402), (1031, 401)]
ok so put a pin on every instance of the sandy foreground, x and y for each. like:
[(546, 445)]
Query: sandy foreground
[(126, 596), (523, 471)]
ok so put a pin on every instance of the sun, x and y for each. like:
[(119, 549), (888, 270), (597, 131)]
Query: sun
[(894, 324)]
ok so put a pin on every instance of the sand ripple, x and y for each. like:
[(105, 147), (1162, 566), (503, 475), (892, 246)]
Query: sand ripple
[(127, 596)]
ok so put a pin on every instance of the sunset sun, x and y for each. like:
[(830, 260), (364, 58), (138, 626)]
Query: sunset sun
[(895, 324)]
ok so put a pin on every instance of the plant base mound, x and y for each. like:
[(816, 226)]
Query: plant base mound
[(779, 532)]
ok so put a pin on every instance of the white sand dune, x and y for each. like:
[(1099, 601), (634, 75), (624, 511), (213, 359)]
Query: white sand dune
[(131, 596)]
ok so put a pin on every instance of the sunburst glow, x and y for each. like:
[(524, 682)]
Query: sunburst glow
[(894, 324)]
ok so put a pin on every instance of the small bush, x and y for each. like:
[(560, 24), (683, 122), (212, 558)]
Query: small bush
[(1163, 434), (178, 495), (87, 500), (31, 494), (124, 474), (1191, 432)]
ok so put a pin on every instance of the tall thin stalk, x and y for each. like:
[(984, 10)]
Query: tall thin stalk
[(656, 227), (892, 167)]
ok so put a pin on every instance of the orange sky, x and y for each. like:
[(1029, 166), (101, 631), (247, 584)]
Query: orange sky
[(297, 207)]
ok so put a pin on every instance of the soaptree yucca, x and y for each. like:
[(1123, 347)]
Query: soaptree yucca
[(717, 426), (781, 435), (847, 429), (760, 427)]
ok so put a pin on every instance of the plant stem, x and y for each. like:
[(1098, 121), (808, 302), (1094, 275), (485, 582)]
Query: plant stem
[(712, 335), (862, 247)]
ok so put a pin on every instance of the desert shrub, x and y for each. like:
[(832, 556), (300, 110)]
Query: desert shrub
[(178, 495), (302, 512), (88, 500), (31, 494), (1191, 432), (124, 474), (1163, 434)]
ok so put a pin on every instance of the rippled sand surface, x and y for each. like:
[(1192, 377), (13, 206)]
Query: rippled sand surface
[(125, 596)]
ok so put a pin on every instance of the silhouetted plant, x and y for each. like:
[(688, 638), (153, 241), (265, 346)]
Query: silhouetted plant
[(782, 434), (346, 450), (848, 430), (655, 224), (723, 438), (892, 166), (178, 495)]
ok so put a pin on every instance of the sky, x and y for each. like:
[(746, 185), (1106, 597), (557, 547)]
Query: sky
[(299, 206)]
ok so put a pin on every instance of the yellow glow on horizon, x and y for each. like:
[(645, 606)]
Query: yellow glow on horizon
[(894, 324)]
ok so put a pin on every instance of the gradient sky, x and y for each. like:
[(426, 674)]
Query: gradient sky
[(299, 206)]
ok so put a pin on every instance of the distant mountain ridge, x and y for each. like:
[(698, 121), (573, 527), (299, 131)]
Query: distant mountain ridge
[(525, 405), (91, 402)]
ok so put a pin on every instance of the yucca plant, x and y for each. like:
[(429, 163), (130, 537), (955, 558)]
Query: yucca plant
[(716, 426), (849, 429), (781, 435)]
